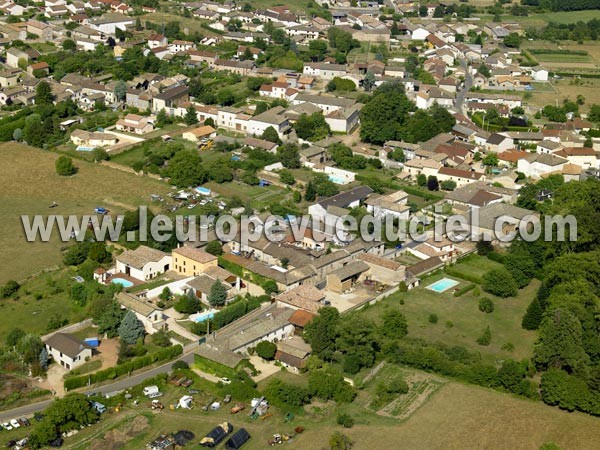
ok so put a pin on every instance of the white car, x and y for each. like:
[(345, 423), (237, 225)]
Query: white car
[(7, 426), (15, 423), (225, 380)]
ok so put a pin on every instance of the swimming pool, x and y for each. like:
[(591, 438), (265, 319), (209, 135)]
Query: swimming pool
[(122, 281), (203, 190), (201, 317), (82, 148), (337, 180), (442, 285)]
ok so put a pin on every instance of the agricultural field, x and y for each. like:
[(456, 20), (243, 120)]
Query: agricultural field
[(568, 88), (30, 185), (459, 320), (540, 20)]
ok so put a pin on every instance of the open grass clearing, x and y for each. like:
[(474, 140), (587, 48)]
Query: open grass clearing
[(38, 301), (30, 184)]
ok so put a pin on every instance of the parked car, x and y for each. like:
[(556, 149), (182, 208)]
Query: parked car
[(100, 210), (24, 422), (15, 423), (58, 442), (7, 426)]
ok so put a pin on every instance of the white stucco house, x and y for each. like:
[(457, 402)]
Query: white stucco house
[(68, 351), (143, 263)]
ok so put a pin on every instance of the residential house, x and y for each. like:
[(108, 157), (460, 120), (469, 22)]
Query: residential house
[(67, 351), (143, 263), (190, 261), (325, 71), (203, 132), (537, 165), (10, 77), (14, 55), (390, 205), (271, 118), (134, 123), (170, 98), (585, 157), (460, 177), (242, 68), (93, 139), (146, 311), (499, 143), (108, 23)]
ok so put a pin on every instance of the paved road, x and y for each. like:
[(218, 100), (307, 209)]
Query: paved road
[(460, 96), (126, 383)]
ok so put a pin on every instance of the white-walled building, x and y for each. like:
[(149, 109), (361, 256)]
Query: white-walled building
[(143, 263)]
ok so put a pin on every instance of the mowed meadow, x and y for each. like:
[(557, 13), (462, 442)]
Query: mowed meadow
[(30, 185)]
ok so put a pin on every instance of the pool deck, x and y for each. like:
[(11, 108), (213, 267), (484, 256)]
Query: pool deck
[(135, 281)]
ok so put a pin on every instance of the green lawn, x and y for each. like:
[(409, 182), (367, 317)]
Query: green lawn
[(460, 321), (475, 265)]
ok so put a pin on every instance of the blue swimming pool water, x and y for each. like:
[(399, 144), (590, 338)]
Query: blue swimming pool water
[(123, 282), (442, 285), (201, 317), (337, 180), (82, 148)]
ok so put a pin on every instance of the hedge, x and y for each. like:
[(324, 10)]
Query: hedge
[(245, 273), (464, 289), (465, 276), (495, 256), (123, 369)]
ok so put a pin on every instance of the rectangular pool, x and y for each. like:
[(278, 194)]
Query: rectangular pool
[(442, 285)]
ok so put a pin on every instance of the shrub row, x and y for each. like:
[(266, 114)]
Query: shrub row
[(123, 369), (551, 51), (459, 363), (463, 290)]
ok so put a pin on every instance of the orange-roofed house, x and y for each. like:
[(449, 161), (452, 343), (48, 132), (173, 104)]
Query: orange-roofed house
[(203, 132)]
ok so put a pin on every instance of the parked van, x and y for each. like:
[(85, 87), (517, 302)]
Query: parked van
[(99, 407), (150, 390)]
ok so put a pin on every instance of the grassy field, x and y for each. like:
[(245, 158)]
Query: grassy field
[(30, 184), (460, 321), (39, 300), (542, 19)]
